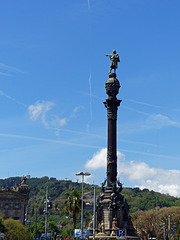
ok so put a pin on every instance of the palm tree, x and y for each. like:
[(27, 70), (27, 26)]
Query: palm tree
[(73, 204)]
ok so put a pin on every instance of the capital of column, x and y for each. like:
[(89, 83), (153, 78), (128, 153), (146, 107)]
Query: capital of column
[(112, 85)]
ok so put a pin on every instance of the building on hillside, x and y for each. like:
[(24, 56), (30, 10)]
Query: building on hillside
[(13, 201)]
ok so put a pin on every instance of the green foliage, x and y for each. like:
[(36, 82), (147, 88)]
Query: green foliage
[(2, 226), (143, 200), (66, 233), (150, 223), (15, 230), (52, 227), (37, 230), (73, 204), (138, 200)]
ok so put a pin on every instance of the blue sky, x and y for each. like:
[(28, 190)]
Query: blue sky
[(53, 70)]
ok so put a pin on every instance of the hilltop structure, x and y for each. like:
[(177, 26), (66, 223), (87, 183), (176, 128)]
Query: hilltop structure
[(112, 211), (13, 201)]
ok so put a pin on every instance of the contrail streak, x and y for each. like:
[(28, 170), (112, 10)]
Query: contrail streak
[(47, 140), (90, 103), (92, 95), (5, 74), (138, 143), (9, 68), (149, 154), (88, 4), (132, 109), (90, 92), (102, 136), (80, 145), (143, 103), (12, 99)]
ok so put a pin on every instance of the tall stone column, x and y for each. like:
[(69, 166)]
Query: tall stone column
[(112, 211), (112, 103)]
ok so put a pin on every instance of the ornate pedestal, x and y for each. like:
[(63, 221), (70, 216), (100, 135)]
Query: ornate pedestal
[(112, 213)]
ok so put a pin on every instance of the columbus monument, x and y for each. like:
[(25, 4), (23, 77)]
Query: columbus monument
[(112, 211)]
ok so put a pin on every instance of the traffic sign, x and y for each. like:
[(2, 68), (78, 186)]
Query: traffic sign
[(121, 233), (2, 235)]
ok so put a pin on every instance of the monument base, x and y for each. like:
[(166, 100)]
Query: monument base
[(112, 214), (103, 237)]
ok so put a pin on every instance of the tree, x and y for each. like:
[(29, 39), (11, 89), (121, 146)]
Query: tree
[(2, 227), (67, 232), (150, 223), (73, 204), (15, 230), (52, 227)]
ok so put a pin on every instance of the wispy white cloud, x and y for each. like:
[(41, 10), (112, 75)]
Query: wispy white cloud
[(39, 111), (152, 121), (158, 121), (157, 179), (55, 123), (74, 112), (62, 122)]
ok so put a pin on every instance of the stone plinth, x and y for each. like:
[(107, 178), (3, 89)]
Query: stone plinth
[(112, 213)]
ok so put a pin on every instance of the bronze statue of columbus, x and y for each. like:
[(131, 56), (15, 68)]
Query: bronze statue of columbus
[(114, 61)]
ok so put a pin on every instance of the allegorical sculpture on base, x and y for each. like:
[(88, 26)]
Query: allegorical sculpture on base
[(112, 211)]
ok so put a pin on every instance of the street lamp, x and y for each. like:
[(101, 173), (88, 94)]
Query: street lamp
[(94, 211), (82, 174), (46, 211)]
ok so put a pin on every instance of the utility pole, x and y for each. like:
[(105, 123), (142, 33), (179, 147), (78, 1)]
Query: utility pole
[(36, 224), (26, 224), (169, 226), (46, 212), (94, 212), (168, 232), (82, 174)]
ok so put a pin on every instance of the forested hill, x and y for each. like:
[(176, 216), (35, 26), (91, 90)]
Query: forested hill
[(136, 198)]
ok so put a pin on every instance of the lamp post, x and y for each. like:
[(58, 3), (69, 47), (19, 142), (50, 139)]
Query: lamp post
[(46, 209), (82, 174), (26, 218), (94, 211)]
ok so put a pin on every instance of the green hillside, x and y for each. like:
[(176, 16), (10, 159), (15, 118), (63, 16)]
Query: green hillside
[(138, 200)]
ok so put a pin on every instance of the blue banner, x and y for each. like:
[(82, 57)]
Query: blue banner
[(85, 234), (43, 236)]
